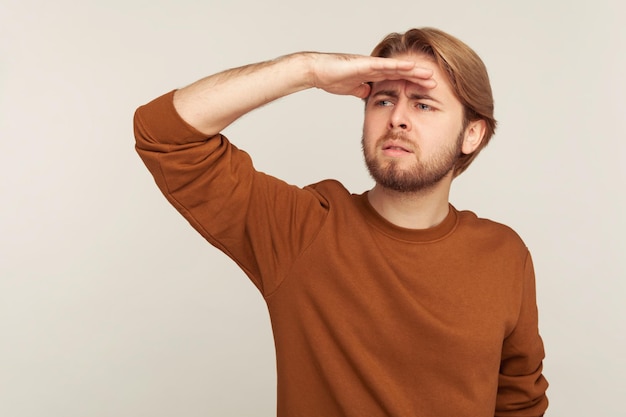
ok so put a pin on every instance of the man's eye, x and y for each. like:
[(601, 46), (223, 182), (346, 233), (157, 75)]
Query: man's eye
[(424, 107), (383, 103)]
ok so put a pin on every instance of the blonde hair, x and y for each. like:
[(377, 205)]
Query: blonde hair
[(466, 72)]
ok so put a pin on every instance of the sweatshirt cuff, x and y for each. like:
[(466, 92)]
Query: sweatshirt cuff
[(161, 122)]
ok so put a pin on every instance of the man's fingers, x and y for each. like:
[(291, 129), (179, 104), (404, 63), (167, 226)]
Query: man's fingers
[(395, 69), (420, 76), (363, 90), (400, 66)]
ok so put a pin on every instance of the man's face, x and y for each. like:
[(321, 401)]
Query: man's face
[(412, 135)]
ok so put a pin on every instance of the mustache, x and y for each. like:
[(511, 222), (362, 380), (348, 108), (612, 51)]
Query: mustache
[(399, 137)]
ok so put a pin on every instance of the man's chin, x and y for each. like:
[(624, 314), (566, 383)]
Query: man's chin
[(408, 180)]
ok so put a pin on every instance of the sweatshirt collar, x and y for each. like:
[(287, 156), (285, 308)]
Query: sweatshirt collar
[(438, 232)]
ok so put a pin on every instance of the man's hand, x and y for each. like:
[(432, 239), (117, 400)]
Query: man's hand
[(350, 74)]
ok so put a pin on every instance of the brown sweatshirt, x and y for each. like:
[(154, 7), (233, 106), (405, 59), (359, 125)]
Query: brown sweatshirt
[(369, 319)]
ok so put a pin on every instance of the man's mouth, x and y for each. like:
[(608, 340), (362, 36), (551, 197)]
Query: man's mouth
[(394, 147), (397, 148)]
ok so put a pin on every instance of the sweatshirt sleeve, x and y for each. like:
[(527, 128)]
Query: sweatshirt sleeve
[(260, 222), (522, 386)]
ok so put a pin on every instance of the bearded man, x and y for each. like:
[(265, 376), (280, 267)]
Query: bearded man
[(386, 303)]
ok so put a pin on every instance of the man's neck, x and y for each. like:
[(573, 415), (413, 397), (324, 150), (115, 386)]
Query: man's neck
[(418, 210)]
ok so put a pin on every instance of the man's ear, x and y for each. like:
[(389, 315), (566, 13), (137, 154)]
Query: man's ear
[(473, 136)]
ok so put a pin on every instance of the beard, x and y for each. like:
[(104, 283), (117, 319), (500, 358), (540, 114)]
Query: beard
[(423, 175)]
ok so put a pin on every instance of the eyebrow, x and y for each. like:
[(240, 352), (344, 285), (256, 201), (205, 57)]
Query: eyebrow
[(412, 96)]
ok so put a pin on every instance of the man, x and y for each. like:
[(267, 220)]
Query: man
[(387, 303)]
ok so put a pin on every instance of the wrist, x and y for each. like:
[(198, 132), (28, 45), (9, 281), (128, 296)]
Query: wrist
[(301, 66)]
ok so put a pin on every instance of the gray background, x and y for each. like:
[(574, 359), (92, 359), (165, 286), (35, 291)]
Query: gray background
[(111, 305)]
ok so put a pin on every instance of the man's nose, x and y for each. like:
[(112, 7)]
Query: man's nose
[(399, 118)]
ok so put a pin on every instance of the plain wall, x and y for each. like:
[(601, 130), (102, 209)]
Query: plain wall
[(111, 305)]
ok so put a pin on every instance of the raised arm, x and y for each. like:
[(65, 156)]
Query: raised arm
[(214, 102)]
